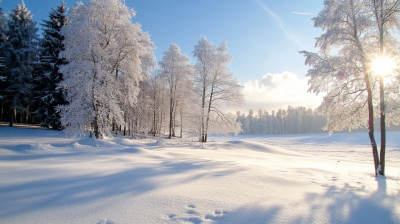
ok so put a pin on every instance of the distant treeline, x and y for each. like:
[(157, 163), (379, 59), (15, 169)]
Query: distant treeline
[(293, 120)]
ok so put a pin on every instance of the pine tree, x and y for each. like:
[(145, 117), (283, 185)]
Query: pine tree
[(47, 93), (3, 26), (21, 57)]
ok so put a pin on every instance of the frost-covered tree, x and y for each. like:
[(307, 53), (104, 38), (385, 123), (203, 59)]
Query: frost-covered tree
[(141, 116), (215, 88), (386, 14), (157, 94), (48, 94), (341, 68), (21, 58), (176, 70), (107, 56)]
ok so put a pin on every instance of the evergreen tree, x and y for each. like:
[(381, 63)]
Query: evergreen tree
[(47, 93), (3, 26), (21, 57)]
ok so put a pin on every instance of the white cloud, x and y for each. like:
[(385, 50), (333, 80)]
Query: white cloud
[(279, 90)]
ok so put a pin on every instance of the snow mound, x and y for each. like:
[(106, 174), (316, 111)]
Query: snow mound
[(92, 142), (125, 141), (255, 146)]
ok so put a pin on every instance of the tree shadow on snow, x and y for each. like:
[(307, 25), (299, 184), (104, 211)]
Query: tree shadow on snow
[(64, 191), (346, 205), (352, 205)]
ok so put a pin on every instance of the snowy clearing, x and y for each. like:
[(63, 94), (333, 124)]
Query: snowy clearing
[(48, 178)]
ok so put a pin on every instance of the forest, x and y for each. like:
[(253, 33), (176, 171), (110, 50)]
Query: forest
[(90, 72)]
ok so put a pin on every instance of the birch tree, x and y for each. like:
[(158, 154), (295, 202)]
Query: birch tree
[(386, 13), (341, 68), (176, 70), (215, 88), (106, 54)]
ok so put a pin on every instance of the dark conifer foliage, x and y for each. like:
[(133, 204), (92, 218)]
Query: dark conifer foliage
[(3, 26), (47, 93), (21, 58)]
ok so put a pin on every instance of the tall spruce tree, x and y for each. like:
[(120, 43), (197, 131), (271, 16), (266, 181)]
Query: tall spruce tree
[(21, 57), (47, 93), (3, 26)]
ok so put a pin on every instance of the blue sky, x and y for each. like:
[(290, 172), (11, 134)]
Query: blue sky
[(264, 36)]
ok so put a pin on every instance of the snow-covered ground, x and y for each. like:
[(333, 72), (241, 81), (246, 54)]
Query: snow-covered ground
[(48, 178)]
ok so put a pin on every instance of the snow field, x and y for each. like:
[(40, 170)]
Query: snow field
[(48, 178)]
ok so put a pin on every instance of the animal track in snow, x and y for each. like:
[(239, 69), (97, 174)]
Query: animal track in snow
[(106, 221)]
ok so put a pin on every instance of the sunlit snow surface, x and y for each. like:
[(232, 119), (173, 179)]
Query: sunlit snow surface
[(46, 177)]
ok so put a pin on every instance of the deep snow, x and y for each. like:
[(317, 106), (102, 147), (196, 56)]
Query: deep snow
[(46, 177)]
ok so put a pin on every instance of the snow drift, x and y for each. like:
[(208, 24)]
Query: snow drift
[(47, 178)]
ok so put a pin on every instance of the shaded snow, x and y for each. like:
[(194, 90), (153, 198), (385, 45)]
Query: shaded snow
[(47, 178)]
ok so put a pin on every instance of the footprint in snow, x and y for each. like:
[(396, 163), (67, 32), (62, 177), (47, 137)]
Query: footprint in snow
[(218, 212), (217, 215), (106, 221), (191, 206), (192, 212)]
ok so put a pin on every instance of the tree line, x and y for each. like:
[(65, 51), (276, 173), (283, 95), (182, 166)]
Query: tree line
[(293, 120), (94, 71)]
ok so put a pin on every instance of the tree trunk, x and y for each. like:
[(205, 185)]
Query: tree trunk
[(203, 105), (383, 128), (27, 114), (369, 97), (174, 120), (12, 118), (371, 125), (382, 94), (96, 128), (181, 123), (209, 112), (171, 108), (129, 128)]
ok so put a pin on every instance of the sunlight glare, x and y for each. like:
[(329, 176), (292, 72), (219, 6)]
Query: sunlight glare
[(383, 66)]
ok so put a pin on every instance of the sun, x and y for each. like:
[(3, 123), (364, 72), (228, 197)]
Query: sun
[(383, 65)]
